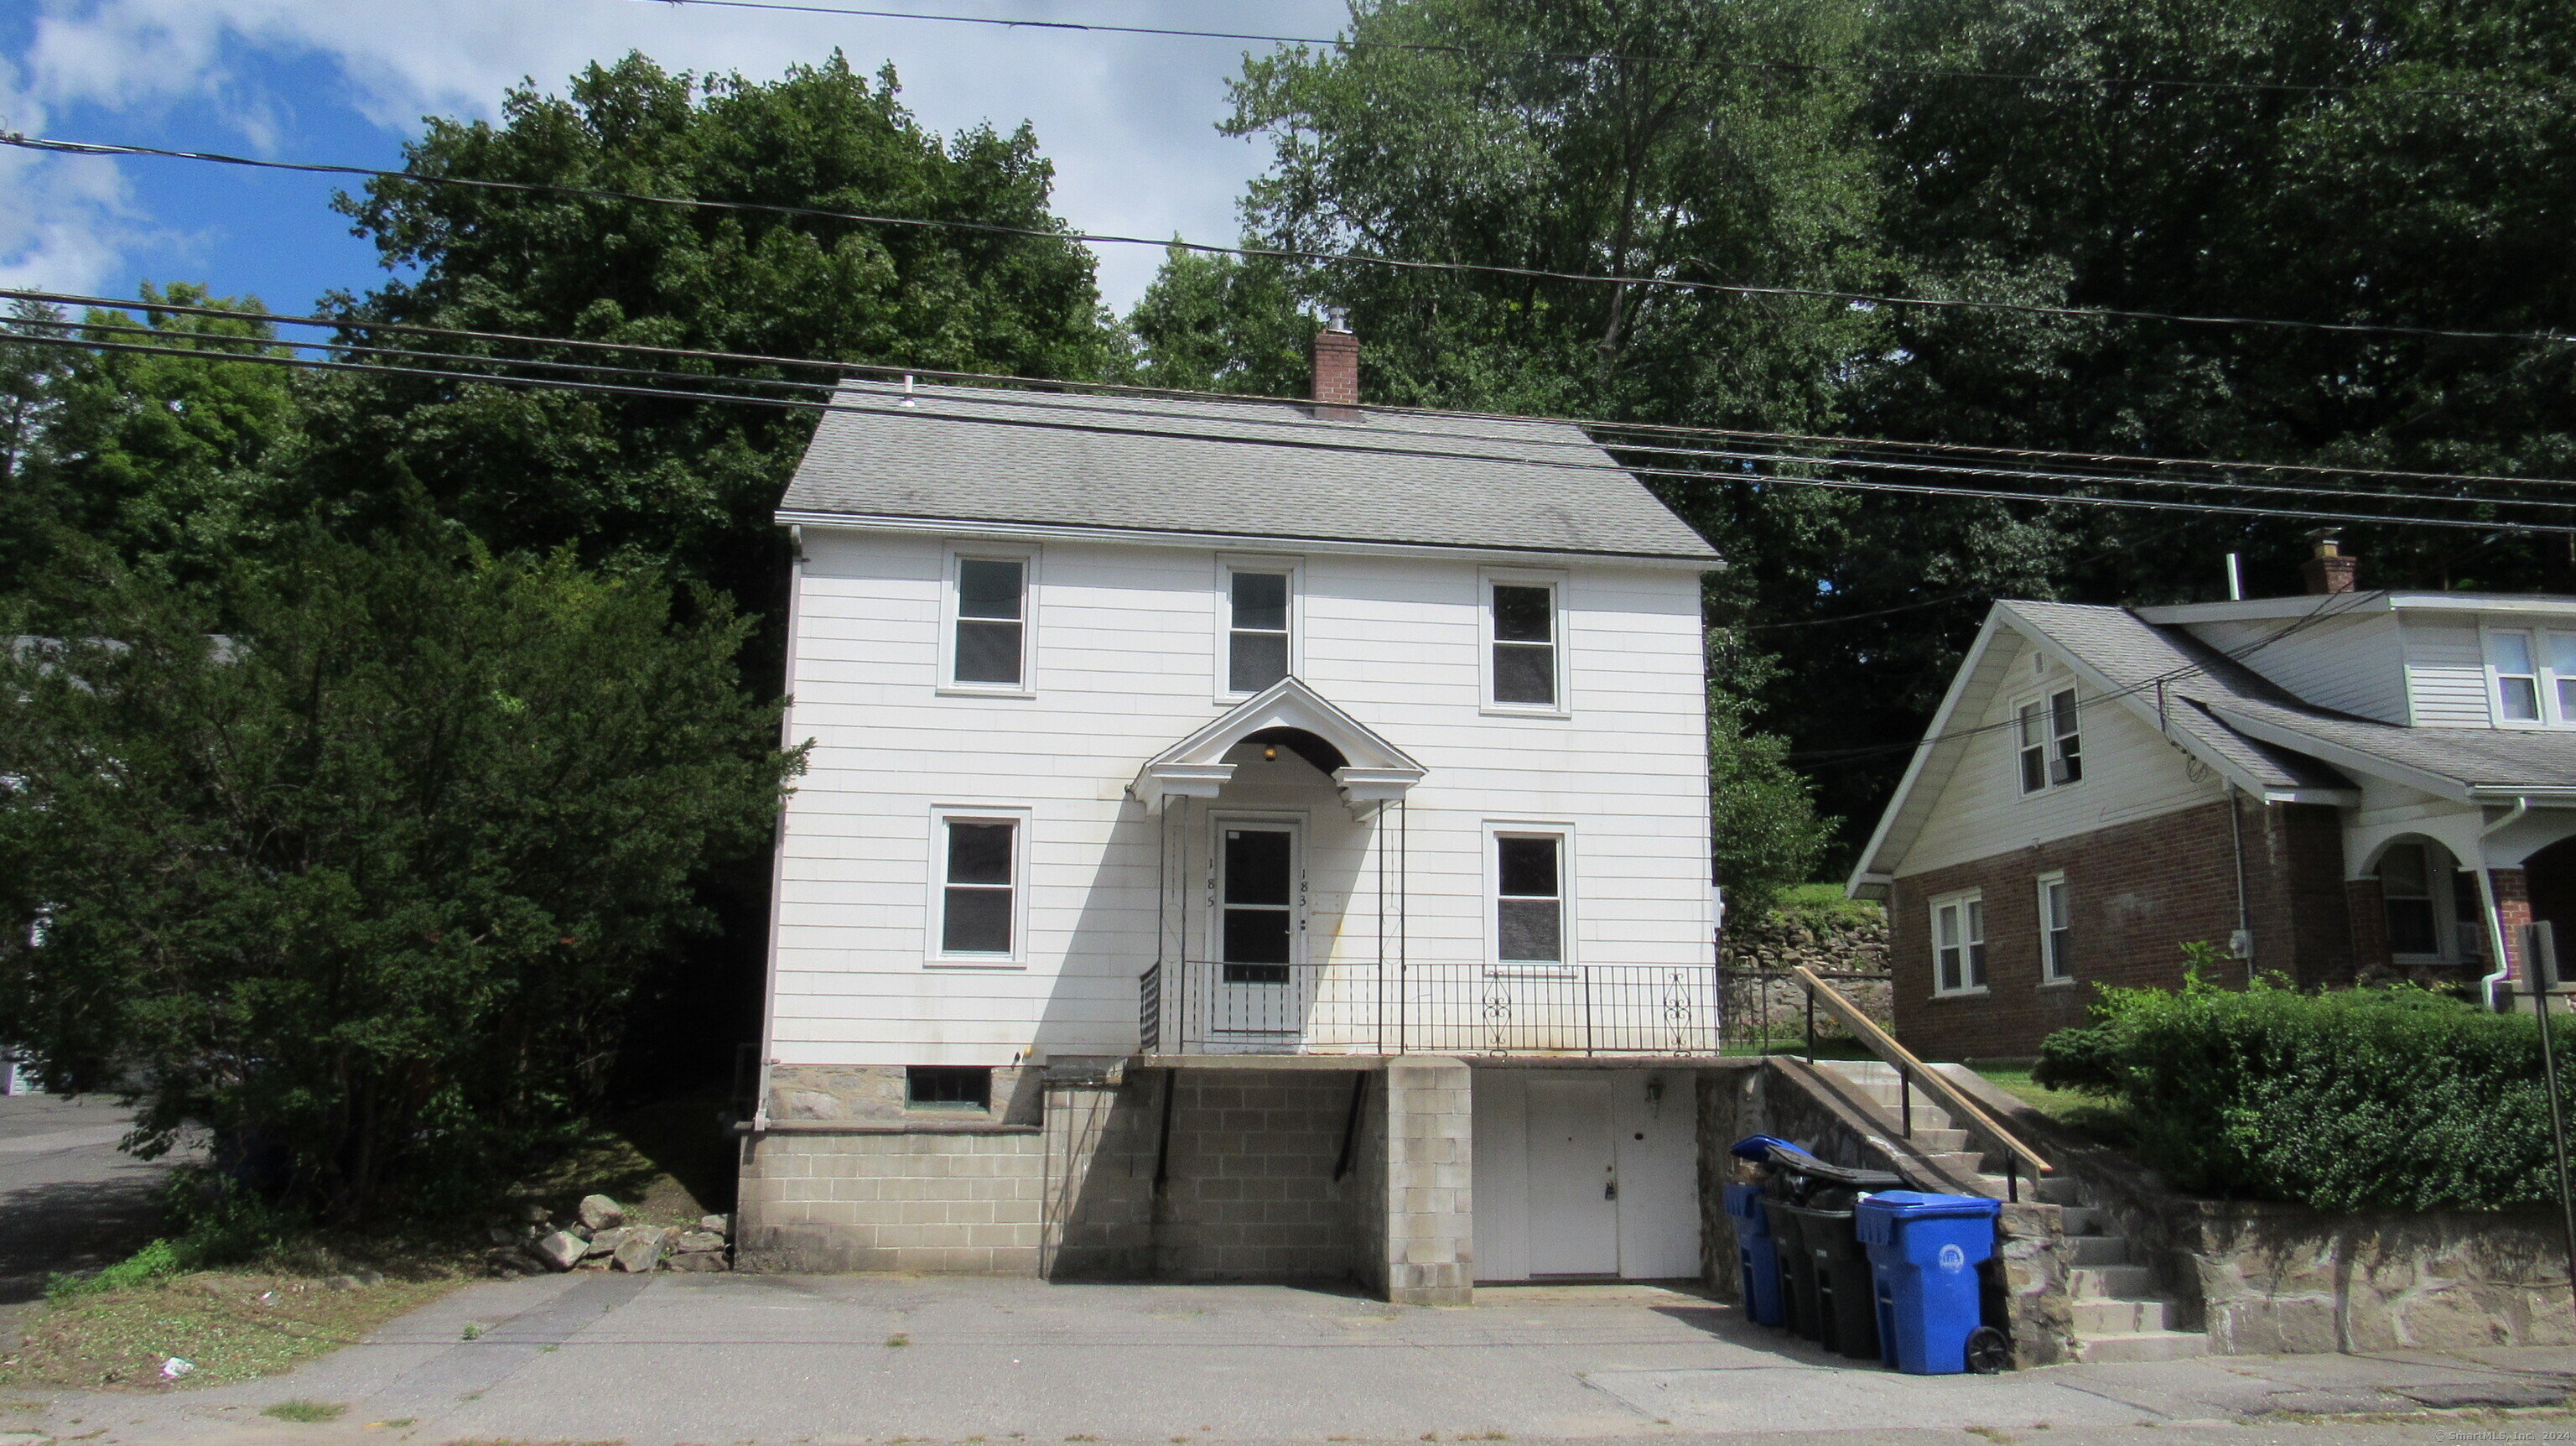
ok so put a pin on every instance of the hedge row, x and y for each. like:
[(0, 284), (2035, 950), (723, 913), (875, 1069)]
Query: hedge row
[(2394, 1098)]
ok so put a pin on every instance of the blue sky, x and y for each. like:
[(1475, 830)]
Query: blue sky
[(1128, 120)]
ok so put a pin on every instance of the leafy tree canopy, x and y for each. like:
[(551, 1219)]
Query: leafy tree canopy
[(356, 856)]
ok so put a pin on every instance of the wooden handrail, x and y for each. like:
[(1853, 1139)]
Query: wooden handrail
[(1908, 1068)]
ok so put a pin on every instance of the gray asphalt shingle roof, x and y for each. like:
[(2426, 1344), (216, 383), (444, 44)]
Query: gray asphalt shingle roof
[(2500, 759), (2133, 654), (1262, 469)]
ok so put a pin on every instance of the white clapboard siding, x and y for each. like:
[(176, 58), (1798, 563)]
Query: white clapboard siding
[(2130, 772), (1125, 665), (2352, 665), (2446, 673)]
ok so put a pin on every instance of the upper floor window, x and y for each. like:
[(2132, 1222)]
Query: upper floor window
[(1256, 640), (1524, 643), (2535, 676), (2049, 740), (2056, 930), (1959, 944), (988, 623)]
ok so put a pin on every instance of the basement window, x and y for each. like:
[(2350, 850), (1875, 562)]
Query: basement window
[(948, 1087)]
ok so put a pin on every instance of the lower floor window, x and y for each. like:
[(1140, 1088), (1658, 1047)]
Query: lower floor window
[(2056, 930), (1958, 944), (1529, 907), (949, 1085)]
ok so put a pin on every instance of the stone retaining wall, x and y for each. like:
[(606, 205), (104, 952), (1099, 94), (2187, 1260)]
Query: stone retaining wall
[(2276, 1279), (1755, 958)]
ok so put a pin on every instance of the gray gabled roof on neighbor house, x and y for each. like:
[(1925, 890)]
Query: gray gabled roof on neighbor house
[(2459, 763), (1228, 470), (2163, 675)]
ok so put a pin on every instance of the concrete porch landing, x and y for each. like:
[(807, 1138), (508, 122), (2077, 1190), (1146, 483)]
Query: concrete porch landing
[(747, 1359)]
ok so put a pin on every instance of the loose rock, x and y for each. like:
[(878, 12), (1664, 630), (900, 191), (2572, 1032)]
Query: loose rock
[(533, 1213), (560, 1251), (638, 1253), (605, 1242), (699, 1262), (601, 1213), (694, 1241), (716, 1224)]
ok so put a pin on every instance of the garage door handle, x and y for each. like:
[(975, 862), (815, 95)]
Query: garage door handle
[(1610, 1191)]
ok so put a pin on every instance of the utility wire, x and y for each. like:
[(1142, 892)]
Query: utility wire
[(1695, 475), (1596, 57), (1523, 273), (1594, 427), (1702, 454)]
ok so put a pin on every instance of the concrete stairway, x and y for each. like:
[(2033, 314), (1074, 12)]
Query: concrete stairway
[(2118, 1315)]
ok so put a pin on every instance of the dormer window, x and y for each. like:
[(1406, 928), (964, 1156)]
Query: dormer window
[(2049, 741), (2533, 678)]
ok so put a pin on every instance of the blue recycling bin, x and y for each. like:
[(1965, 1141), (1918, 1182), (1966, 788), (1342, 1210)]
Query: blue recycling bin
[(1924, 1251), (1757, 1262)]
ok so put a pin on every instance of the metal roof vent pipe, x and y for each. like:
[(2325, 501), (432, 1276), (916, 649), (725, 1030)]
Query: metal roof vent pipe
[(2329, 569), (1337, 371)]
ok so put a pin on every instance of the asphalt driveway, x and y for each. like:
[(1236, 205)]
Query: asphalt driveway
[(69, 1199), (708, 1358)]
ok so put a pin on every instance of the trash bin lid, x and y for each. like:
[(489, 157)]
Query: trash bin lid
[(1917, 1205), (1790, 1157), (1757, 1148)]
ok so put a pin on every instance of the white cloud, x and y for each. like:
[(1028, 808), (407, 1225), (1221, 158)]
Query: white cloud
[(1128, 120)]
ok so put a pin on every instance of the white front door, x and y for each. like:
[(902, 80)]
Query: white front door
[(1573, 1178), (1259, 932)]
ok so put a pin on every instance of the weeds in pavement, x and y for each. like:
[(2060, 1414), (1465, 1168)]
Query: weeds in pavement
[(309, 1413)]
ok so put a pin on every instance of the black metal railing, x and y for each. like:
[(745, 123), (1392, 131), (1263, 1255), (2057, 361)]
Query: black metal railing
[(1200, 1006)]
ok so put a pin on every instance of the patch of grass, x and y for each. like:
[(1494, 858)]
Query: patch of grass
[(1814, 904), (898, 1341), (307, 1412), (230, 1327), (2078, 1111)]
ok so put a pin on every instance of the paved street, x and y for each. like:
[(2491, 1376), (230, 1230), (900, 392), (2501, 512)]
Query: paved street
[(69, 1200), (669, 1359)]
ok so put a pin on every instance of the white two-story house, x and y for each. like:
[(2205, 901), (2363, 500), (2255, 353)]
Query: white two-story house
[(2349, 784), (1241, 840)]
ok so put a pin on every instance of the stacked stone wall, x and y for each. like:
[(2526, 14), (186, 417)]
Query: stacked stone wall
[(1758, 996)]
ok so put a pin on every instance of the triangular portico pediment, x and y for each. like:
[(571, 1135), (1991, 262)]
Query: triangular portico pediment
[(1373, 770)]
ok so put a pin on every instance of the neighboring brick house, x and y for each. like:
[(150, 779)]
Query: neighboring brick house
[(2329, 787), (1242, 840)]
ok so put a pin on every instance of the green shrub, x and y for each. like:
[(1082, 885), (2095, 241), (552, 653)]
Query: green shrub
[(153, 1262), (2394, 1098)]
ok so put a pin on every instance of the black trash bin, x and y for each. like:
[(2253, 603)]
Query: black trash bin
[(1798, 1305), (1845, 1317)]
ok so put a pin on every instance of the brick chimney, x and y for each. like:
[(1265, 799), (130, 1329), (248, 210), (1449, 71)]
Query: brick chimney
[(1337, 372), (2330, 568)]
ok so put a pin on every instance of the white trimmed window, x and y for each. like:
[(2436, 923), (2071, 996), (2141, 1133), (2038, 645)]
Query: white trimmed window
[(1959, 944), (2056, 930), (1523, 623), (986, 623), (2532, 677), (2048, 741), (1529, 898), (978, 886), (1259, 611)]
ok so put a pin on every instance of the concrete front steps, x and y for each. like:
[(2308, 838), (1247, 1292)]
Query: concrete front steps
[(2118, 1315)]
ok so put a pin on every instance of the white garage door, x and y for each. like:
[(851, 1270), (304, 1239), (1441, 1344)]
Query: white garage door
[(1586, 1173)]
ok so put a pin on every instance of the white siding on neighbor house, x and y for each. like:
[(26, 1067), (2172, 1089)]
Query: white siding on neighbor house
[(2352, 665), (1125, 665), (2130, 772), (2446, 671)]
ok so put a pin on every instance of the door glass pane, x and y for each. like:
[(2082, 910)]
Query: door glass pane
[(1256, 936), (1256, 930), (1261, 601), (1256, 867)]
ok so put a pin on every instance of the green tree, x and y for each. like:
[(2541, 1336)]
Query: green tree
[(356, 857), (171, 462), (1222, 324), (659, 481)]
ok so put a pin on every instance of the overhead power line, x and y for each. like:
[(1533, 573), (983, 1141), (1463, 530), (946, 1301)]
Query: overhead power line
[(1742, 474), (1628, 57), (1521, 273), (1051, 396)]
